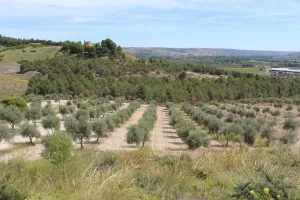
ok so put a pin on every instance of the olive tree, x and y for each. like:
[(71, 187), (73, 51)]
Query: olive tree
[(33, 114), (5, 133), (197, 139), (233, 133), (79, 128), (275, 113), (51, 122), (289, 108), (48, 110), (266, 110), (268, 133), (11, 114), (290, 124), (30, 131), (214, 125), (100, 128), (133, 135), (64, 110)]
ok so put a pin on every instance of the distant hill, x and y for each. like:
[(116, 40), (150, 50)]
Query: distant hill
[(182, 52), (293, 56)]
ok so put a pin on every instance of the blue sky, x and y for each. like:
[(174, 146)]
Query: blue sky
[(239, 24)]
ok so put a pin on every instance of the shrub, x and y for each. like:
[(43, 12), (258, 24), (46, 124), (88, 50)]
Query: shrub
[(268, 185), (290, 138), (9, 191), (58, 148), (197, 139), (19, 103), (229, 118), (107, 158)]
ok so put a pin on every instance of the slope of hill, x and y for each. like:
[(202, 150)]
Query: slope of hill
[(182, 52), (29, 53)]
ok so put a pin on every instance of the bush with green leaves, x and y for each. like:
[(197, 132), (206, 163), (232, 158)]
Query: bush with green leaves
[(19, 103), (10, 191), (267, 184), (58, 148), (30, 131), (197, 139), (51, 122)]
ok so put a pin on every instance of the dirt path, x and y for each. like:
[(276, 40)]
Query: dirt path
[(164, 136), (117, 139), (29, 153)]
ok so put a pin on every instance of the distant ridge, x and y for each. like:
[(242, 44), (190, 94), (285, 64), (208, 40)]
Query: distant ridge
[(293, 56), (182, 52)]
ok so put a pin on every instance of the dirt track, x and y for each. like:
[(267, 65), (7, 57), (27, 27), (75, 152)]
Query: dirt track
[(117, 139), (164, 136)]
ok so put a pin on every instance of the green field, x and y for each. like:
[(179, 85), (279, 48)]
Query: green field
[(12, 56)]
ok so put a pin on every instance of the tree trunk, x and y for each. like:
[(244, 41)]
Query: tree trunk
[(30, 139), (81, 140), (143, 143), (98, 139)]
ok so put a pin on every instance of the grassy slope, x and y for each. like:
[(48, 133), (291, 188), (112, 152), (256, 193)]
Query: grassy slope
[(13, 56), (12, 85), (202, 174)]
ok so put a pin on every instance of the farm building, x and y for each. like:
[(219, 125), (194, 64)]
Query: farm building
[(283, 71)]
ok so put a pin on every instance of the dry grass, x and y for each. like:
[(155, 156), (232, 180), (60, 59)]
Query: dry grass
[(12, 85), (143, 174)]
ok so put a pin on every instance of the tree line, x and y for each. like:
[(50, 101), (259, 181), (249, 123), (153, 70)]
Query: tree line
[(13, 42)]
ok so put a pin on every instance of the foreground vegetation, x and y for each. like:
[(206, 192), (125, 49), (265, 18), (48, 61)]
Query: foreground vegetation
[(142, 174)]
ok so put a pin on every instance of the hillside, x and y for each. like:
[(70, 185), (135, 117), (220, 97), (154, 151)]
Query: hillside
[(182, 52), (28, 53)]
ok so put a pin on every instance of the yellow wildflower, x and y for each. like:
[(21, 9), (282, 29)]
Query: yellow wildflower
[(278, 196), (252, 192), (266, 190)]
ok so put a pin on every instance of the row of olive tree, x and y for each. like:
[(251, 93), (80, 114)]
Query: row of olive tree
[(187, 131), (11, 116), (140, 133), (232, 130), (80, 128)]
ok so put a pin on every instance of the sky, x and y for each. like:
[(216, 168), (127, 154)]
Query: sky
[(235, 24)]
